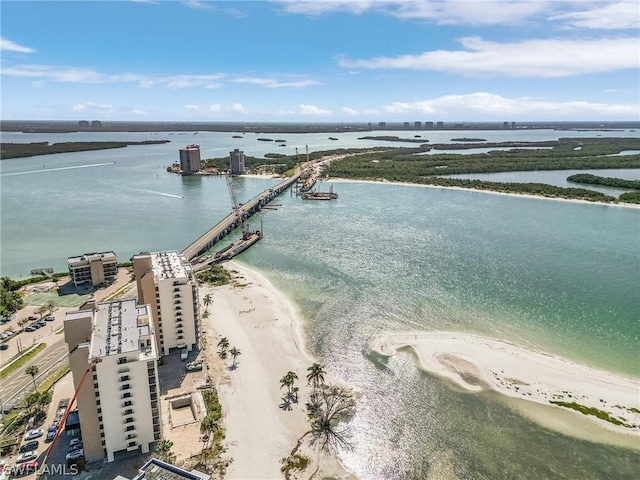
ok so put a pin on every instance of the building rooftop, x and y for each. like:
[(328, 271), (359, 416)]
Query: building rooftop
[(156, 469), (170, 265), (118, 328), (89, 257)]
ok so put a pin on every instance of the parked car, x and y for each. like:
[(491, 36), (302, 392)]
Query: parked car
[(184, 354), (26, 456), (51, 433), (74, 448), (41, 323), (36, 325), (32, 318), (75, 441), (29, 446), (4, 346), (29, 328), (33, 434), (75, 455), (49, 318)]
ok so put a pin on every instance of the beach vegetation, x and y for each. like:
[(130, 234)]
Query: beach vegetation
[(328, 410), (223, 344), (293, 464), (19, 150), (630, 197), (606, 181), (288, 381), (316, 374), (216, 275), (235, 353), (596, 412), (207, 301), (163, 451)]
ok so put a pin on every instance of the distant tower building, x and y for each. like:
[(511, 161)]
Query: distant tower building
[(417, 124), (382, 124), (428, 124), (513, 124), (440, 125), (96, 124), (190, 159), (405, 124), (83, 123), (505, 124), (236, 162)]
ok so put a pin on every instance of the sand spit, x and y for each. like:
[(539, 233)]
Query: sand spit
[(477, 363)]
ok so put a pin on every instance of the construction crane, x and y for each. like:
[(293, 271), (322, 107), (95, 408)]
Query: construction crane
[(234, 200), (63, 420)]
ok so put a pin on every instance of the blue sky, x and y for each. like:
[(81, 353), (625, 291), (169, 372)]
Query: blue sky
[(321, 60)]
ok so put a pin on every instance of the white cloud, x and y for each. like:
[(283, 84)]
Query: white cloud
[(608, 16), (312, 110), (197, 5), (488, 12), (273, 83), (102, 109), (236, 107), (9, 46), (528, 58), (216, 108), (491, 105), (350, 111)]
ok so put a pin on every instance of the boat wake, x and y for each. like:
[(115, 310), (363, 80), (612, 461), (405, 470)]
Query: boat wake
[(42, 170), (157, 193)]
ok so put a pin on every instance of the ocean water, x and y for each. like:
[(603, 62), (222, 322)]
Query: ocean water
[(552, 275)]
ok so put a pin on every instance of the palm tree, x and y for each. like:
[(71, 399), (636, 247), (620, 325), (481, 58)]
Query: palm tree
[(33, 371), (163, 451), (207, 300), (288, 381), (224, 345), (315, 377), (235, 353)]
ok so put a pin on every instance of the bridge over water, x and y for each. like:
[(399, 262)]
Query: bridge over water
[(230, 222)]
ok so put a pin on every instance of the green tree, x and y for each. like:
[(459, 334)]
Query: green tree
[(224, 346), (328, 408), (235, 353), (33, 371), (163, 451), (207, 300), (288, 380), (316, 374), (10, 302)]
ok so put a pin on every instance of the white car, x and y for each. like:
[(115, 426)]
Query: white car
[(75, 441), (33, 434), (75, 454), (26, 456)]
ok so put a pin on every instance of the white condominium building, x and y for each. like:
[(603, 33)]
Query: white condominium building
[(118, 403), (165, 280), (93, 268)]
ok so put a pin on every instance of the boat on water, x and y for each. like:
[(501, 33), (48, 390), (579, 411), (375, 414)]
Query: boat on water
[(236, 248), (315, 195)]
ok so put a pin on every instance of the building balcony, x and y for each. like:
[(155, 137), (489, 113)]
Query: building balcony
[(124, 378), (126, 404), (125, 387), (129, 420), (130, 428), (126, 395), (123, 370), (128, 411), (131, 436)]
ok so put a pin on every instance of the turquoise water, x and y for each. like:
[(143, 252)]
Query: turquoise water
[(557, 276)]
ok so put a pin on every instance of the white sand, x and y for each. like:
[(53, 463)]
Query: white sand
[(263, 324), (476, 363), (478, 190)]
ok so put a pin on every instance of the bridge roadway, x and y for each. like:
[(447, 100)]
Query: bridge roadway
[(230, 222)]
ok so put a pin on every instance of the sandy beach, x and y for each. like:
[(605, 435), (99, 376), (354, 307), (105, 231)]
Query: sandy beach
[(477, 363), (263, 324), (477, 190)]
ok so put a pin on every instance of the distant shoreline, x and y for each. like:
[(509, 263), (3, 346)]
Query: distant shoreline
[(53, 126)]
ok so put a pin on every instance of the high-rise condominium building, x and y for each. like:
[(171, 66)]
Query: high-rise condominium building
[(236, 162), (113, 355), (190, 159), (165, 280), (93, 268)]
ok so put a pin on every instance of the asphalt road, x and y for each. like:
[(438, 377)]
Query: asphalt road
[(17, 380)]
